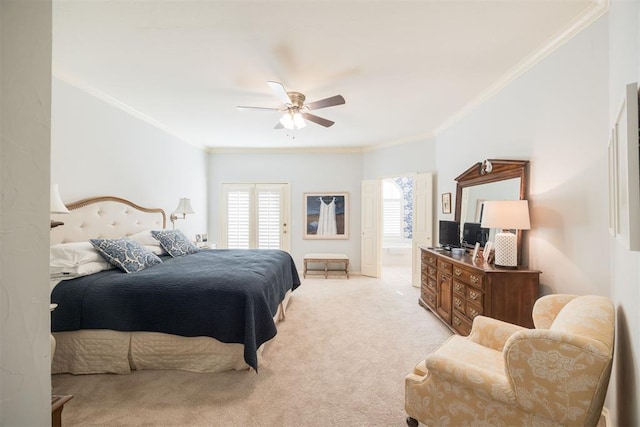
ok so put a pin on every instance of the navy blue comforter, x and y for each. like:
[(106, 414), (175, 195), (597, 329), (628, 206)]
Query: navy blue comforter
[(231, 295)]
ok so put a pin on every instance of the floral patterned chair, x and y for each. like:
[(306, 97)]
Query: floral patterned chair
[(506, 375)]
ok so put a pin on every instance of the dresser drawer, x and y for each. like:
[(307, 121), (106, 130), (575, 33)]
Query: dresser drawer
[(431, 284), (459, 288), (431, 270), (471, 310), (469, 277), (459, 303), (429, 298), (460, 323), (475, 295), (444, 266), (428, 258)]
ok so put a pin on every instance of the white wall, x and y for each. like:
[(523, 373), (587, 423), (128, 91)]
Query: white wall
[(25, 85), (99, 150), (400, 160), (624, 68), (306, 172), (555, 116)]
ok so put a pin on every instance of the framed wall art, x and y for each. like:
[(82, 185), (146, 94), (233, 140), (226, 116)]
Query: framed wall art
[(326, 215), (624, 172), (446, 203)]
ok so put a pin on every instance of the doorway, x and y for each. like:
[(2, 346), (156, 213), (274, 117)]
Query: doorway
[(397, 226)]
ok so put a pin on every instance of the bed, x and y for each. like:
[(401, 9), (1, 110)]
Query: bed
[(207, 311)]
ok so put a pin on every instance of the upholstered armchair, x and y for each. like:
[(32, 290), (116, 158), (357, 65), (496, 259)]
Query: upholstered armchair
[(505, 375)]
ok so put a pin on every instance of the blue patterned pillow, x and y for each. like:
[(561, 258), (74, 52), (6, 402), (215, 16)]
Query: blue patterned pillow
[(174, 242), (125, 254)]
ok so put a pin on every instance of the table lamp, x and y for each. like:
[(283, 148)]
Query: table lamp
[(56, 206), (506, 215)]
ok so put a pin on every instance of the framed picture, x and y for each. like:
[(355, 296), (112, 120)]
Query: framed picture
[(202, 240), (624, 172), (476, 249), (446, 203), (486, 252), (326, 215)]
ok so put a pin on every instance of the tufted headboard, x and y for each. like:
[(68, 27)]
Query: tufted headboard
[(105, 217)]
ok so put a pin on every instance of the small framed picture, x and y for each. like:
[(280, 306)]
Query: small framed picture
[(486, 252), (446, 203), (202, 240), (476, 249)]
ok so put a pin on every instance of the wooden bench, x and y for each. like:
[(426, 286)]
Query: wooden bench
[(326, 259)]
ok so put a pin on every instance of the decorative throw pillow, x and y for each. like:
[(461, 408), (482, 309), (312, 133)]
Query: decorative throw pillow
[(125, 254), (174, 242)]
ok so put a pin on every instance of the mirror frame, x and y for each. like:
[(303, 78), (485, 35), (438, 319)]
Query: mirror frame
[(492, 170)]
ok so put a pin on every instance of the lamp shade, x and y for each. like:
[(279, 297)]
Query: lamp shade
[(184, 207), (56, 206), (506, 214)]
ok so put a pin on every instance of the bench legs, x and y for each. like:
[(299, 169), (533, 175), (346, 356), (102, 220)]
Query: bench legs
[(326, 266)]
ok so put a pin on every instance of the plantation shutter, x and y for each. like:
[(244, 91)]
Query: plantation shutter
[(269, 222), (239, 219), (255, 216)]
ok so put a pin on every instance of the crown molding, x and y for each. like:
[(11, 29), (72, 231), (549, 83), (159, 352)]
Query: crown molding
[(590, 15), (90, 90)]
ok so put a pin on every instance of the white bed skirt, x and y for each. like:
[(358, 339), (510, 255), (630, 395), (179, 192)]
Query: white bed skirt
[(97, 351)]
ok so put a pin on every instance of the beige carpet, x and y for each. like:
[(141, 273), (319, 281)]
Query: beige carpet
[(339, 359)]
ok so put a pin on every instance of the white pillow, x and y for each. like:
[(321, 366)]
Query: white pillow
[(73, 254), (147, 241), (65, 273)]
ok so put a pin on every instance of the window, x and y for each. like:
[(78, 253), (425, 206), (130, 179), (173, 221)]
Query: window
[(397, 209)]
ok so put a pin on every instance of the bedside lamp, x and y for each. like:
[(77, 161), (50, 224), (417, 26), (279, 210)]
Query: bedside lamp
[(184, 208), (506, 215), (56, 206)]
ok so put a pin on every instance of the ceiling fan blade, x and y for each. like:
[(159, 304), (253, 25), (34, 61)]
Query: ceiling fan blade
[(280, 91), (327, 102), (319, 120), (243, 108)]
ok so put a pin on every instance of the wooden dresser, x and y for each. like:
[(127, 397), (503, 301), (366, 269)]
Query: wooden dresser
[(456, 290)]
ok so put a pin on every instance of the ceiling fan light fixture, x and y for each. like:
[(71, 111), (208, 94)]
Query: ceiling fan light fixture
[(287, 120), (296, 112), (291, 120), (298, 121)]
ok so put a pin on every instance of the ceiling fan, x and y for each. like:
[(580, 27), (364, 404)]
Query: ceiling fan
[(295, 110)]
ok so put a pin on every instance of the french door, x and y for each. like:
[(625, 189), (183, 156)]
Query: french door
[(255, 216)]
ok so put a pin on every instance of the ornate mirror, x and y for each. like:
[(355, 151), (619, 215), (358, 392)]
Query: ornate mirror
[(492, 179)]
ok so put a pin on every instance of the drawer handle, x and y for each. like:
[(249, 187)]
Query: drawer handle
[(475, 279), (458, 303), (473, 313), (456, 321), (458, 286), (473, 295), (458, 272)]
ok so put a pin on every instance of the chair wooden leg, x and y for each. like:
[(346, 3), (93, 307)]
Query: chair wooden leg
[(412, 422)]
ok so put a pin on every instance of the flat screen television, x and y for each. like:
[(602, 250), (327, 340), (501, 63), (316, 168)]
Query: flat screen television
[(449, 235), (472, 233)]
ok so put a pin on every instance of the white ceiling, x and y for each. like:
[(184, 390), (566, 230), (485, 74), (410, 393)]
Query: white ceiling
[(405, 68)]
